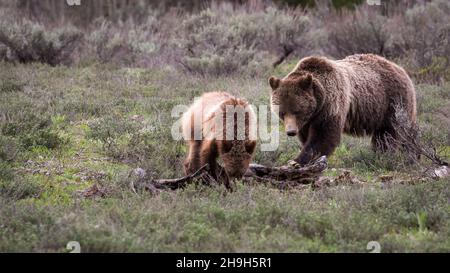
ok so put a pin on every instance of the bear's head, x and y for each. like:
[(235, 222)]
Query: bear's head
[(295, 99), (236, 145), (236, 156)]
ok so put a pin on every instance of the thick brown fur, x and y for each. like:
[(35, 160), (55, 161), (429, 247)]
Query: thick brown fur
[(322, 98), (207, 142)]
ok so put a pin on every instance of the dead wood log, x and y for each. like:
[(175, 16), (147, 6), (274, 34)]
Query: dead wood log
[(175, 183), (280, 177), (288, 176)]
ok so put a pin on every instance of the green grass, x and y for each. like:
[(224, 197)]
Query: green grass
[(64, 129)]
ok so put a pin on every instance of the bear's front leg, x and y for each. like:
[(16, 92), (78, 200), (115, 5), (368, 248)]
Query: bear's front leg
[(192, 162), (322, 140), (208, 155)]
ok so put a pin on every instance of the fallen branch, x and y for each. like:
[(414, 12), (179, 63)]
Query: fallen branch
[(407, 136), (288, 176), (280, 177), (177, 183)]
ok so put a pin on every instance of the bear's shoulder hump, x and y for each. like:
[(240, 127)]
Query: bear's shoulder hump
[(316, 64)]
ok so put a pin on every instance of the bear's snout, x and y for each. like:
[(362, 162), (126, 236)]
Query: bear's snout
[(291, 132), (290, 123)]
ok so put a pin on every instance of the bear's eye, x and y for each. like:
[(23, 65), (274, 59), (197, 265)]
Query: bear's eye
[(282, 114), (226, 146)]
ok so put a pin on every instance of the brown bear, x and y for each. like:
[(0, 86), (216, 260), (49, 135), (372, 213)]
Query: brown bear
[(322, 98), (219, 126)]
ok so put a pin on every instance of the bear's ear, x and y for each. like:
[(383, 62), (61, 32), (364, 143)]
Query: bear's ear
[(274, 82), (306, 82)]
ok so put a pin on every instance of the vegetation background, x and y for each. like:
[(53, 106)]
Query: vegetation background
[(86, 93)]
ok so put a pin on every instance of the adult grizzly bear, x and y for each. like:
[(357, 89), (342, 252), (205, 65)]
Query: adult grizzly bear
[(218, 125), (321, 98)]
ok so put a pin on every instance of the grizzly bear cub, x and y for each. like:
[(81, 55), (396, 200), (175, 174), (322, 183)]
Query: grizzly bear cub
[(219, 126), (359, 95)]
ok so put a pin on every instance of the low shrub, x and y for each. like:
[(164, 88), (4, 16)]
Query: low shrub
[(421, 36), (32, 129), (359, 31), (28, 41), (423, 31), (223, 40), (124, 43), (16, 188)]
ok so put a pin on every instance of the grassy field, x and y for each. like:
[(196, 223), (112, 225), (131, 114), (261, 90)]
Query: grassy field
[(65, 129)]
